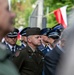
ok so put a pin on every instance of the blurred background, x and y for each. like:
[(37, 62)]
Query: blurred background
[(24, 9)]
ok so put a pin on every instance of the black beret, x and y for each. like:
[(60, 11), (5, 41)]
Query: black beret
[(33, 31), (23, 32), (13, 33)]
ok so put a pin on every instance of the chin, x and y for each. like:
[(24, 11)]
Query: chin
[(39, 44), (13, 44)]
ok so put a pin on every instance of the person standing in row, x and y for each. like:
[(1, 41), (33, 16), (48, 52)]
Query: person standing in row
[(10, 41), (44, 42), (29, 61), (23, 37)]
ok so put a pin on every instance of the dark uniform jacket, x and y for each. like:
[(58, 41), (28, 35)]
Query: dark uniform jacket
[(17, 47), (29, 62), (51, 61)]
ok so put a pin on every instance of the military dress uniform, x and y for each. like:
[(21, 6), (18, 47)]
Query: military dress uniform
[(11, 48), (29, 62), (14, 48), (23, 33), (44, 48), (51, 60)]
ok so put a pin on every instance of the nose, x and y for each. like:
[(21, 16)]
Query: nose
[(14, 38), (40, 38)]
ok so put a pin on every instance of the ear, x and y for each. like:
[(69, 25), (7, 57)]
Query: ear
[(29, 39)]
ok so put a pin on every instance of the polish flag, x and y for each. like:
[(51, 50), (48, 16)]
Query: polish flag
[(61, 16)]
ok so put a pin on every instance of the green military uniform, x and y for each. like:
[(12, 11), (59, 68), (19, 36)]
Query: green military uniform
[(6, 66), (29, 62)]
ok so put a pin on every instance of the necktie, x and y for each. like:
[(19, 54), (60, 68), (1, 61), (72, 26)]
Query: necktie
[(12, 49)]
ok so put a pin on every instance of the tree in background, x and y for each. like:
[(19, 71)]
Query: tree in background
[(24, 8), (53, 5)]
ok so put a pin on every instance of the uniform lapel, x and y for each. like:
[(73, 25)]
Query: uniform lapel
[(39, 57), (32, 54)]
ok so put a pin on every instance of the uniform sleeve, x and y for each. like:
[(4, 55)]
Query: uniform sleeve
[(18, 59), (49, 64)]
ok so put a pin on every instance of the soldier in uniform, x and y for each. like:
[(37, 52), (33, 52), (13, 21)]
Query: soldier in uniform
[(6, 21), (10, 41), (53, 39), (24, 38), (58, 28), (43, 47), (50, 37), (29, 61), (54, 35), (53, 57)]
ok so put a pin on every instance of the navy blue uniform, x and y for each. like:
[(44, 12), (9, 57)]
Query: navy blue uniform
[(44, 49)]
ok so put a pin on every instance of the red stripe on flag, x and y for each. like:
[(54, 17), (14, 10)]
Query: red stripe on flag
[(59, 17)]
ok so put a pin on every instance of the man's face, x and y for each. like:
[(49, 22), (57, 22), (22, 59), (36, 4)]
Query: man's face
[(11, 41), (44, 38), (51, 41), (24, 38), (35, 40), (6, 17)]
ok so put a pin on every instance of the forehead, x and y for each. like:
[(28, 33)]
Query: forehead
[(36, 35), (43, 36), (12, 39)]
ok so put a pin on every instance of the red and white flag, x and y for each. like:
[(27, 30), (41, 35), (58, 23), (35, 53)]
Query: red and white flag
[(61, 16)]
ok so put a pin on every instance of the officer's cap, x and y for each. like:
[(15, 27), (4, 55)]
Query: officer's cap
[(45, 31), (13, 33), (23, 32), (59, 28), (53, 35), (33, 31)]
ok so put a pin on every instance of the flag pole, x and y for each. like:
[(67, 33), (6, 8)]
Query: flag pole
[(9, 3), (53, 11)]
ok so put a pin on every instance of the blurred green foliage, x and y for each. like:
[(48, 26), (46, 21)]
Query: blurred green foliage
[(53, 5), (23, 10)]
